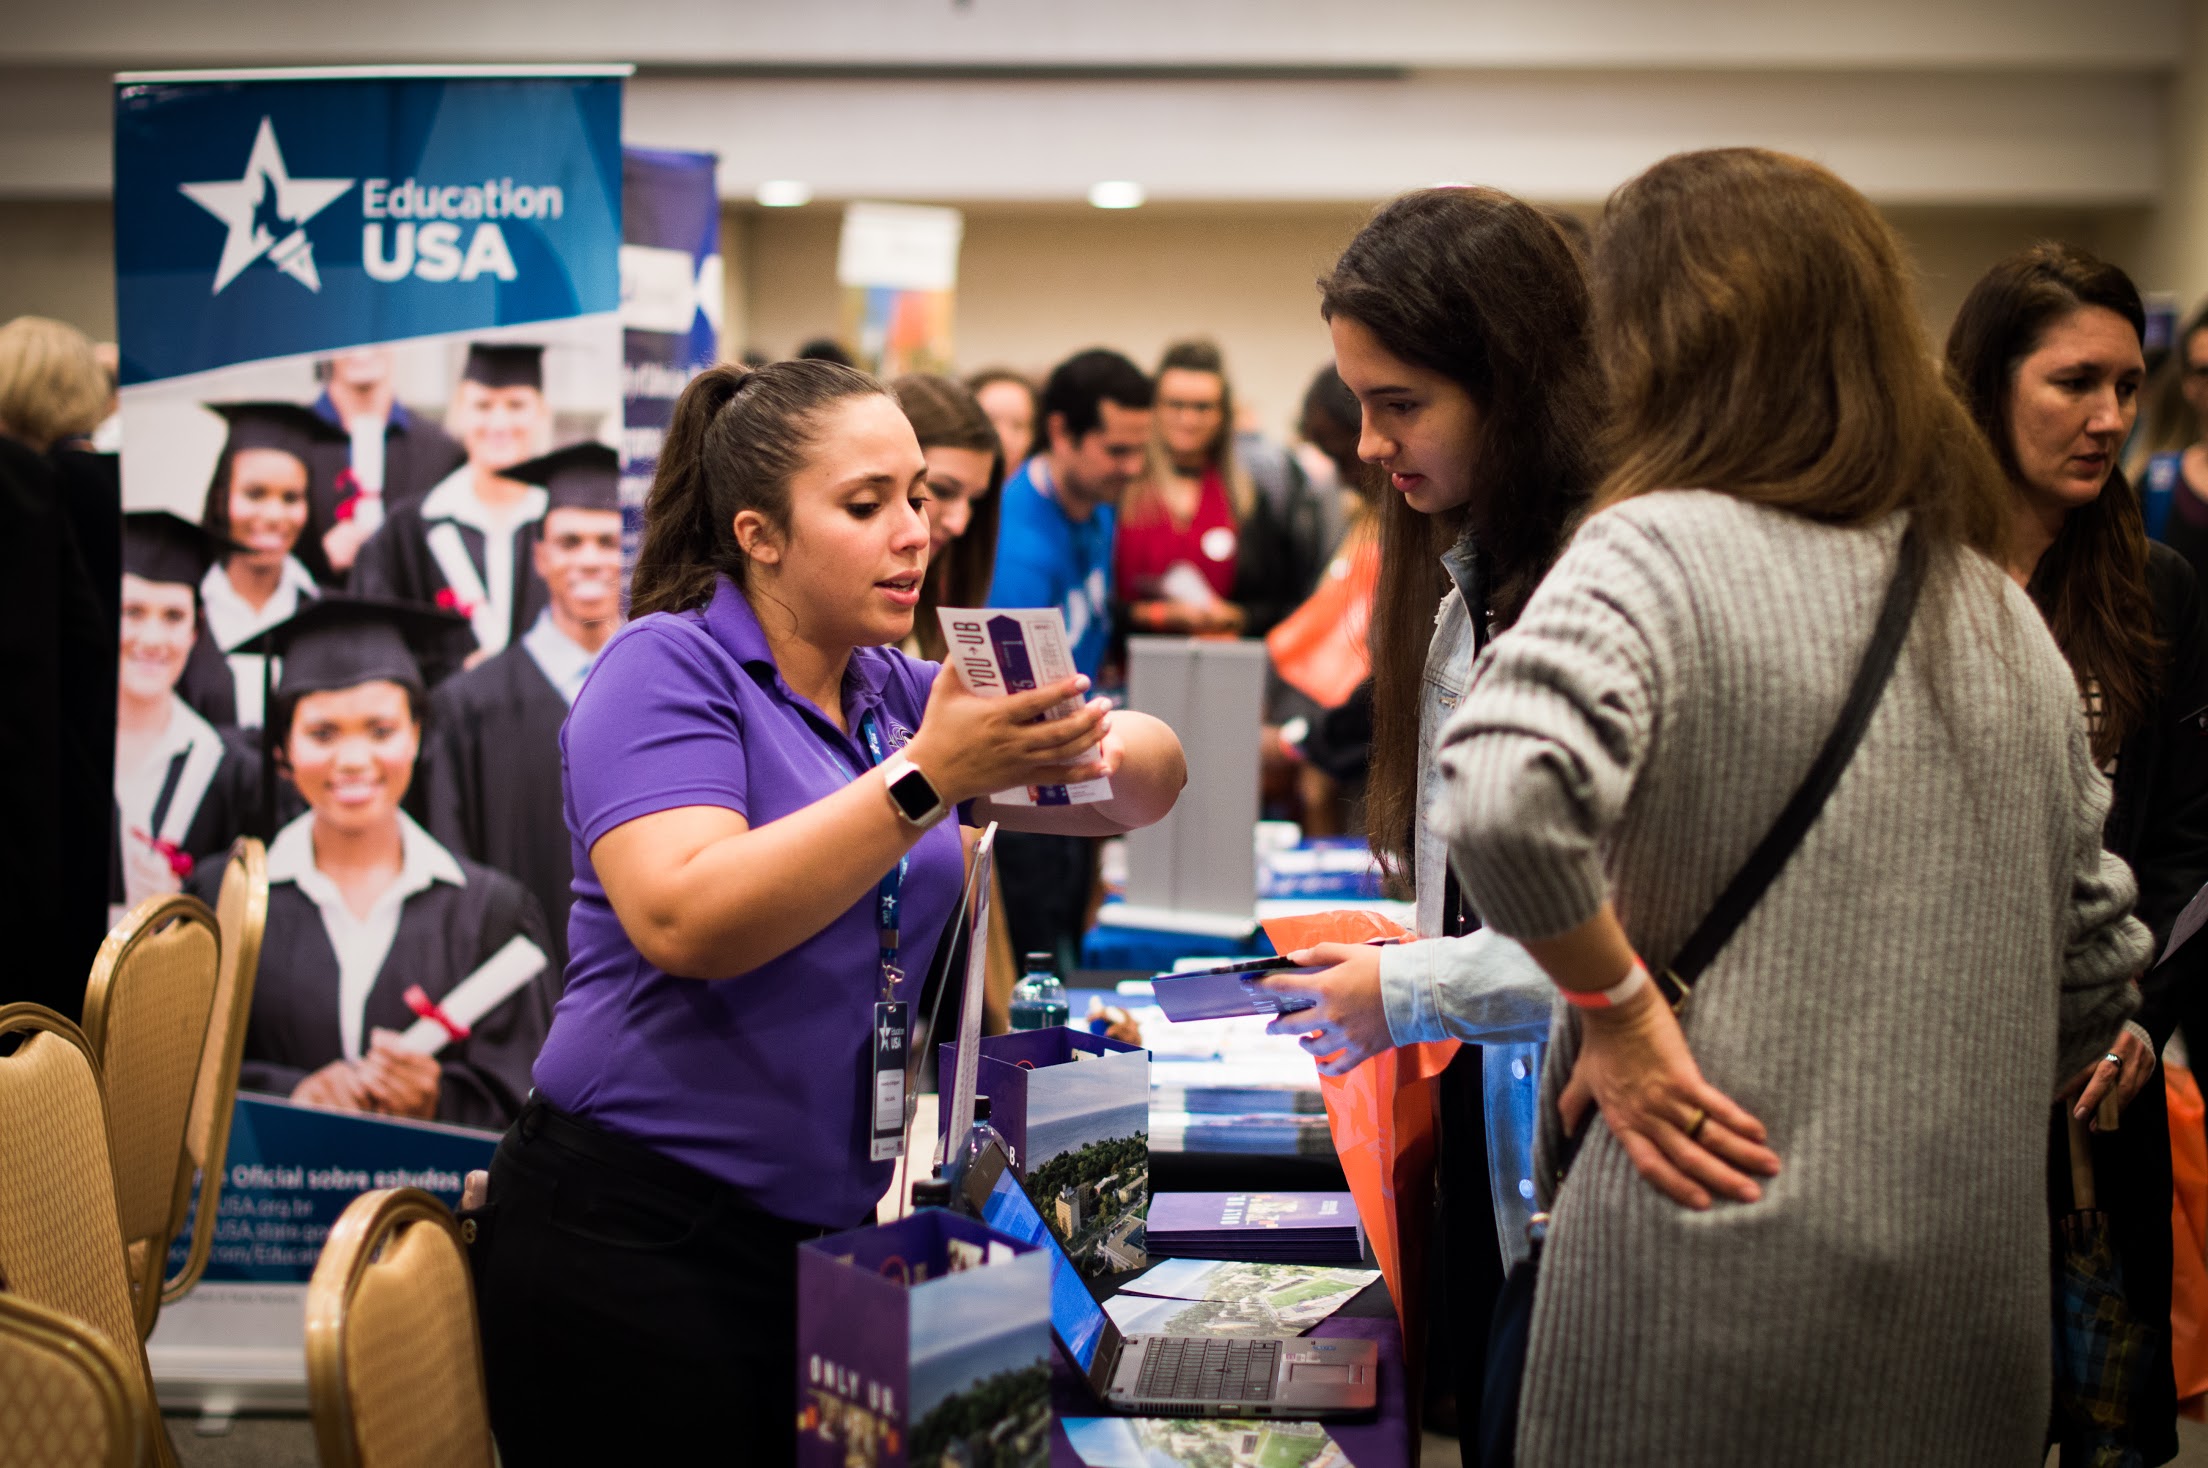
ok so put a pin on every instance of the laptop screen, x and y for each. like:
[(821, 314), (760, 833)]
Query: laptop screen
[(1074, 1313)]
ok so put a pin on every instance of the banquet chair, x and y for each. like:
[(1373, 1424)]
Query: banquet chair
[(241, 910), (146, 1015), (394, 1364), (61, 1241), (65, 1395)]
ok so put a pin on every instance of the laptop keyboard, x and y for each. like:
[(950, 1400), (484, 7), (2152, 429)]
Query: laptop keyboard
[(1208, 1370)]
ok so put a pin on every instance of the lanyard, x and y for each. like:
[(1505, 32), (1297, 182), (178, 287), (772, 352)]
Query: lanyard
[(889, 896)]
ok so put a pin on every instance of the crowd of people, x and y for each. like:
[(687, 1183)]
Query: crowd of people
[(1711, 634)]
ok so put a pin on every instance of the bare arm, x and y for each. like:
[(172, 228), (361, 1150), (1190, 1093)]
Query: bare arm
[(703, 894)]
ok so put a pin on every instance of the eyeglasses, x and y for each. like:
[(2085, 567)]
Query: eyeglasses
[(1189, 405)]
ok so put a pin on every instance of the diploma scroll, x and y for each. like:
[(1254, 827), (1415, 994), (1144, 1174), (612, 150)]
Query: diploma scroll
[(499, 979)]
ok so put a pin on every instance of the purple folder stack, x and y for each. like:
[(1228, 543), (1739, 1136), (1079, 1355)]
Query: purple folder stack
[(1297, 1228)]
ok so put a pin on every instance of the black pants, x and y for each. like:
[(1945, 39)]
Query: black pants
[(633, 1309)]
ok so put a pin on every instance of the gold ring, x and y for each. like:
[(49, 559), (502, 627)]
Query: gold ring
[(1694, 1127)]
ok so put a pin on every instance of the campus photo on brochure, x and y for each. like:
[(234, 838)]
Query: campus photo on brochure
[(1144, 1442), (980, 1373), (1088, 1158)]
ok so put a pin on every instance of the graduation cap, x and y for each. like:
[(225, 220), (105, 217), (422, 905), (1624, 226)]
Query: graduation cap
[(505, 364), (343, 641), (582, 476), (159, 546), (285, 426)]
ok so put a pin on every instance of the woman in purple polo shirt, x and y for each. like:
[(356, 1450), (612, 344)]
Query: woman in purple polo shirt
[(749, 770)]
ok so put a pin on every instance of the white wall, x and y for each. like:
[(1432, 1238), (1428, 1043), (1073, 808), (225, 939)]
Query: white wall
[(1909, 34), (1038, 283)]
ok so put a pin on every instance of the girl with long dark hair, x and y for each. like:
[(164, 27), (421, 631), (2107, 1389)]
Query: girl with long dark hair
[(1459, 319), (758, 787), (2047, 348), (966, 469)]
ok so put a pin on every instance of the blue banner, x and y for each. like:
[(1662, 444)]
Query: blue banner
[(292, 1169), (264, 217), (670, 305)]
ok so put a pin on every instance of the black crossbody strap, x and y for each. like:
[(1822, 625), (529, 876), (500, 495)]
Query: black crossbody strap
[(1771, 854)]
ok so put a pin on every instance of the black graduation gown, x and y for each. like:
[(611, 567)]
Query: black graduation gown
[(229, 808), (415, 457), (207, 685), (493, 777), (444, 934), (57, 737), (397, 562)]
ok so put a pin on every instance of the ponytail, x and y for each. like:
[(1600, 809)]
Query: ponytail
[(736, 438)]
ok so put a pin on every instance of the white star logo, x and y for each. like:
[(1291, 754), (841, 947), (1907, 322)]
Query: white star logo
[(267, 195)]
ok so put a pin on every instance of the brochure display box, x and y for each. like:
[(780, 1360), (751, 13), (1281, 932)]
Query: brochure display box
[(923, 1341), (1074, 1110)]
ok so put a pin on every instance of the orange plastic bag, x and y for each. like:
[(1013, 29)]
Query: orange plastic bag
[(2188, 1235), (1319, 648), (1381, 1116)]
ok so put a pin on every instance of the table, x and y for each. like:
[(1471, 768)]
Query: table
[(1387, 1439)]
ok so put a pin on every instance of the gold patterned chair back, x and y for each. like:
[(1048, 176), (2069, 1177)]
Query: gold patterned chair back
[(65, 1394), (146, 1014), (394, 1369), (61, 1241), (241, 910)]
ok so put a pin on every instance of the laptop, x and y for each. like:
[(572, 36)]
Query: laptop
[(1175, 1376)]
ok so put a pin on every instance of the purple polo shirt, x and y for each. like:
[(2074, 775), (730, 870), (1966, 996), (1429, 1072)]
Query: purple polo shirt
[(762, 1080)]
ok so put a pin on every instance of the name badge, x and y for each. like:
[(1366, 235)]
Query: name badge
[(892, 1040)]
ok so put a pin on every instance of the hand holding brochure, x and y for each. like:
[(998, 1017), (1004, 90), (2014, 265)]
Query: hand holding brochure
[(1001, 651)]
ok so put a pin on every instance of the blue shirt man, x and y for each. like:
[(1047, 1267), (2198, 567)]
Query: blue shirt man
[(1054, 540), (1046, 558)]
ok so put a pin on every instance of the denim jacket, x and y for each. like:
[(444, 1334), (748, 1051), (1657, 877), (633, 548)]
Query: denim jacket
[(1480, 988)]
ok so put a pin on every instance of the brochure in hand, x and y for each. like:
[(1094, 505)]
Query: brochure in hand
[(1310, 1228), (1225, 992), (1000, 652)]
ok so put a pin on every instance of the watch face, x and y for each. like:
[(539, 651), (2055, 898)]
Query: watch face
[(913, 794)]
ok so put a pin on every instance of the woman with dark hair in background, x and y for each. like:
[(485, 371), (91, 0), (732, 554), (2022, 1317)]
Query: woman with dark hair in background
[(1459, 319), (2047, 347), (760, 790), (966, 468), (1010, 400)]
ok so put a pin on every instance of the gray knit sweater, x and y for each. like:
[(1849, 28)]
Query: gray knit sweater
[(1948, 940)]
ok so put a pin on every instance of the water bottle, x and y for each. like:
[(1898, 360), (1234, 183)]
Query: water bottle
[(961, 1157), (1039, 999)]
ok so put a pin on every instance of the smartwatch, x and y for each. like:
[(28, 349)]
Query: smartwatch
[(914, 798)]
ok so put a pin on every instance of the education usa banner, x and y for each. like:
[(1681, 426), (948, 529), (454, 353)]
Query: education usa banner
[(379, 291), (280, 231)]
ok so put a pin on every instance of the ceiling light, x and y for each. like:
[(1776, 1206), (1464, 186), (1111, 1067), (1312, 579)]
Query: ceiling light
[(1116, 194), (784, 193)]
